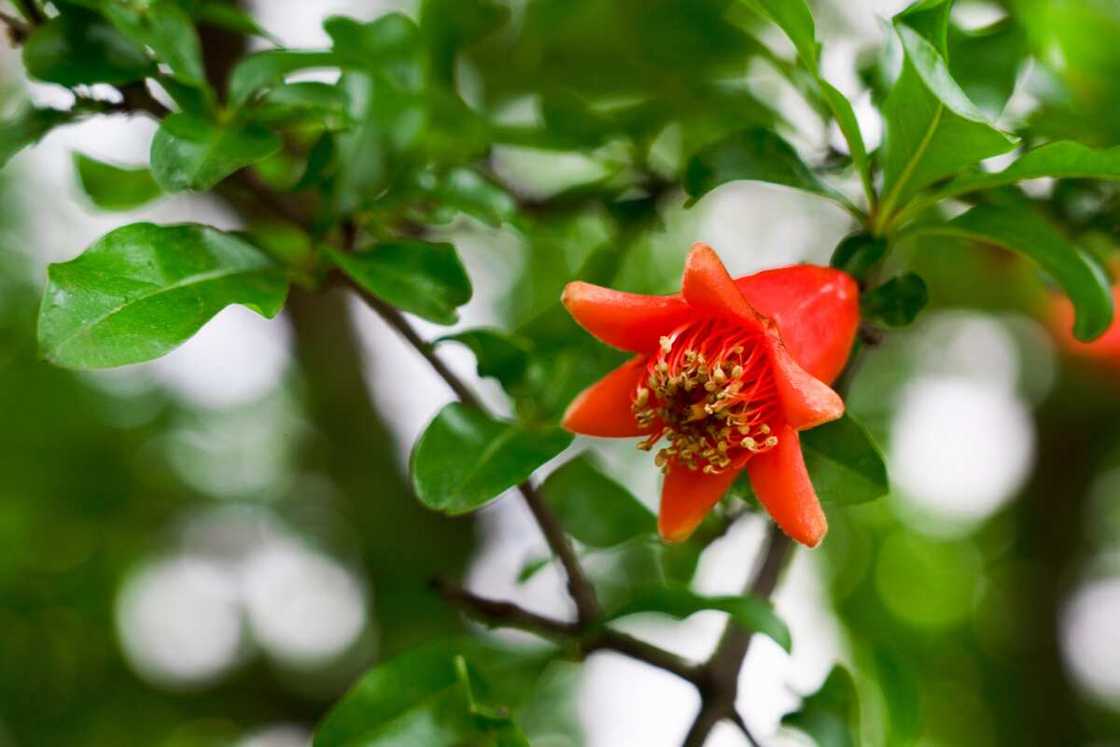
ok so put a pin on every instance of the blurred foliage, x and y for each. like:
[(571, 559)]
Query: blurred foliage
[(575, 131)]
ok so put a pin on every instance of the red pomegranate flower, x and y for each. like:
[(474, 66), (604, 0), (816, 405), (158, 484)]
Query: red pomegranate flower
[(726, 373)]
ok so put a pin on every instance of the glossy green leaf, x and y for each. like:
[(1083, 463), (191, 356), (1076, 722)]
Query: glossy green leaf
[(1060, 160), (190, 152), (27, 128), (858, 254), (167, 29), (499, 354), (465, 459), (79, 48), (986, 62), (262, 70), (113, 187), (932, 129), (424, 697), (421, 277), (830, 715), (897, 302), (845, 465), (756, 154), (142, 290), (1020, 229), (751, 613), (592, 507)]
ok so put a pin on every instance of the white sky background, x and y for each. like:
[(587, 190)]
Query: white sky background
[(239, 358)]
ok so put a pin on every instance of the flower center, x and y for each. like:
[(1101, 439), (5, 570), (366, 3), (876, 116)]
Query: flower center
[(711, 393)]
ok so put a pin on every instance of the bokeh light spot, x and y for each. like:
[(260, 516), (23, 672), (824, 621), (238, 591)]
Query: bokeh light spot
[(1090, 636), (179, 621), (304, 608), (927, 583)]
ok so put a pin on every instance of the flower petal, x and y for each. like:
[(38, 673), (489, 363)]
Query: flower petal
[(603, 409), (710, 290), (628, 321), (806, 401), (816, 310), (687, 497), (781, 482)]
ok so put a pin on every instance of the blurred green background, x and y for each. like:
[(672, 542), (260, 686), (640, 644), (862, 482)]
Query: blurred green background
[(209, 549)]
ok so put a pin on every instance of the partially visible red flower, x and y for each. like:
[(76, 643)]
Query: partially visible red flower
[(726, 373), (1105, 349)]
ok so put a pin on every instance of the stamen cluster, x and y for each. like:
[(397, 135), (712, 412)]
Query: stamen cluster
[(710, 392)]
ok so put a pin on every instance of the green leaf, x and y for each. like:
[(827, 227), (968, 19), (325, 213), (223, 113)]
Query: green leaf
[(228, 16), (27, 128), (1020, 229), (500, 355), (986, 62), (465, 459), (849, 127), (467, 191), (592, 507), (845, 465), (450, 25), (932, 129), (1060, 160), (858, 254), (167, 29), (756, 154), (112, 187), (322, 103), (79, 48), (389, 45), (751, 613), (263, 70), (830, 715), (426, 696), (190, 152), (796, 20), (897, 302), (142, 290), (421, 277)]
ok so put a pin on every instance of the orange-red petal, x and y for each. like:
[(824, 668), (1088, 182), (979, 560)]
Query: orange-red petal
[(806, 401), (686, 498), (628, 321), (816, 310), (781, 482), (603, 409), (708, 288)]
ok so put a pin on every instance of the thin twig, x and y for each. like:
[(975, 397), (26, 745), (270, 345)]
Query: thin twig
[(30, 11), (583, 594), (738, 721), (506, 614), (17, 29), (584, 640), (720, 679)]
